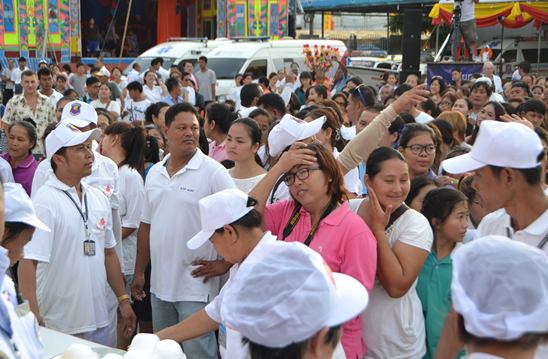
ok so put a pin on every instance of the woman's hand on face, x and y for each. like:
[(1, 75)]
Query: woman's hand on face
[(375, 216), (411, 98), (298, 155)]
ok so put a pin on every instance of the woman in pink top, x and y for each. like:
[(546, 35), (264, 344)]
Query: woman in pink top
[(319, 216), (22, 138)]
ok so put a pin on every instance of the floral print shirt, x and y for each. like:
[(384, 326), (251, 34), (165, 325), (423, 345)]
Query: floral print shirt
[(18, 109)]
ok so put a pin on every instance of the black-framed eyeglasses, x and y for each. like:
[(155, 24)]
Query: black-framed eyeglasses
[(417, 149), (301, 174)]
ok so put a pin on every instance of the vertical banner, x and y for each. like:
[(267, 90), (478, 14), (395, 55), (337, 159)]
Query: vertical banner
[(75, 35), (23, 28), (273, 20), (64, 23), (222, 25), (283, 14)]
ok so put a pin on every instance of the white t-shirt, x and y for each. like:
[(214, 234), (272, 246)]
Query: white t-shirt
[(352, 181), (394, 327), (171, 209), (132, 199), (70, 286), (54, 97), (499, 223), (137, 109), (424, 118), (191, 95), (16, 75), (496, 97), (348, 133), (6, 175), (247, 184), (482, 356), (133, 75), (112, 106), (235, 96), (245, 111), (153, 94), (232, 339), (25, 327)]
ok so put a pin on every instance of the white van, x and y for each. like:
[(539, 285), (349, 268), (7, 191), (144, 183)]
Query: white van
[(259, 58), (177, 50)]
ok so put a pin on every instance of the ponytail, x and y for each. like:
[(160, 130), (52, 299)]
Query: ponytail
[(132, 140)]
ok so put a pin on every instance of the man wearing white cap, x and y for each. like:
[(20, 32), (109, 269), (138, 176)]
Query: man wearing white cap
[(500, 294), (169, 219), (104, 176), (506, 159), (65, 272), (18, 326), (234, 228)]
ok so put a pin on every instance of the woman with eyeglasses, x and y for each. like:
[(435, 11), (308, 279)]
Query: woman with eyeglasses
[(418, 147), (318, 215)]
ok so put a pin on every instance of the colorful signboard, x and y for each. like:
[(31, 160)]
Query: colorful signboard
[(31, 25), (251, 18)]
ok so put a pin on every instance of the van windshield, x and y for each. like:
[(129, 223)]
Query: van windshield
[(145, 63), (225, 68)]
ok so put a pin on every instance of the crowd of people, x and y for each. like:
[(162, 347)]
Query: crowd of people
[(156, 208)]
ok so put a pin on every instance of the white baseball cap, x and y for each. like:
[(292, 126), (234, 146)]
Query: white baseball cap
[(502, 144), (500, 287), (218, 210), (67, 134), (290, 130), (79, 113), (287, 293), (19, 208), (485, 79)]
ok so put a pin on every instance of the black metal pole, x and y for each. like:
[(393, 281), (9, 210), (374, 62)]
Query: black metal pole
[(501, 21)]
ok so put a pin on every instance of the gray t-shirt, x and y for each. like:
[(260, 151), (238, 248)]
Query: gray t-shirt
[(78, 84), (205, 80)]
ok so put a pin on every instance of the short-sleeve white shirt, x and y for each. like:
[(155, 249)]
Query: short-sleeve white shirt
[(137, 109), (70, 286), (171, 209), (394, 327), (234, 347), (132, 199)]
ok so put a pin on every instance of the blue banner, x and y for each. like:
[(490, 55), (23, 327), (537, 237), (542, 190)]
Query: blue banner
[(444, 69)]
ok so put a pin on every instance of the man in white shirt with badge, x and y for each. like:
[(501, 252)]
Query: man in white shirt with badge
[(64, 273), (170, 218), (507, 160)]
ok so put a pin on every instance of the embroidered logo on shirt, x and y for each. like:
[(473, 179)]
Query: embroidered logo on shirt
[(102, 223), (108, 190), (75, 109), (186, 189)]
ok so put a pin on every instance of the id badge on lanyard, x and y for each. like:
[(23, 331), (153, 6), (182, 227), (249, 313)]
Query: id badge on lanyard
[(89, 245)]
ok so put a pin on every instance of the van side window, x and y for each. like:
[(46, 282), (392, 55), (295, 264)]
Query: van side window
[(257, 68), (531, 55)]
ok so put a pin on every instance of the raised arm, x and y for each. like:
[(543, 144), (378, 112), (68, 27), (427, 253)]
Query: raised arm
[(368, 139)]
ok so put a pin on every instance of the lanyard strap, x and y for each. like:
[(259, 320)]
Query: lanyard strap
[(82, 214), (296, 216), (541, 244)]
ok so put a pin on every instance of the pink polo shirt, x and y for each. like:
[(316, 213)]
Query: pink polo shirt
[(218, 151), (24, 172), (345, 243)]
